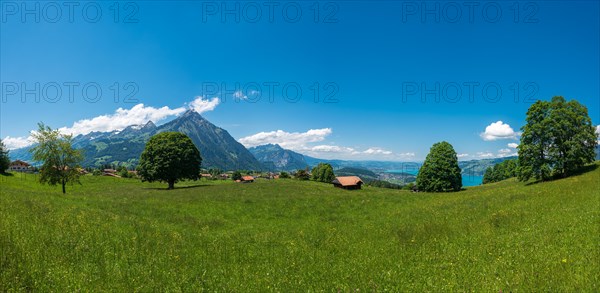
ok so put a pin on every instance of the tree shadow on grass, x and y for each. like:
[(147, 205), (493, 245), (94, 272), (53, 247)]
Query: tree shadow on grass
[(176, 187), (581, 171), (7, 174)]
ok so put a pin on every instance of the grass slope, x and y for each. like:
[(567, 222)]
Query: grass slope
[(285, 235)]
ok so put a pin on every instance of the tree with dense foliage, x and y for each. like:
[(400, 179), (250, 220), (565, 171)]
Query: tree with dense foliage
[(501, 171), (284, 175), (323, 173), (169, 157), (215, 172), (302, 175), (440, 171), (4, 159), (123, 172), (237, 175), (558, 139), (60, 161)]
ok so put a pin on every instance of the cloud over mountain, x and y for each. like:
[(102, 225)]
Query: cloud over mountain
[(290, 140), (303, 142), (12, 143), (138, 115)]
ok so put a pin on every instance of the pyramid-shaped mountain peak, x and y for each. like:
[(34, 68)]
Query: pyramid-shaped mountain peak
[(149, 125)]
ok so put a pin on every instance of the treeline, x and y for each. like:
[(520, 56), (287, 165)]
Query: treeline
[(501, 171), (385, 184)]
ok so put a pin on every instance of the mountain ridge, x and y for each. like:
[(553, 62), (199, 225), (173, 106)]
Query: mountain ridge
[(275, 158), (124, 147)]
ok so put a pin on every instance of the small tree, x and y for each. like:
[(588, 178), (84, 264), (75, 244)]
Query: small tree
[(237, 175), (60, 162), (215, 172), (323, 173), (488, 175), (123, 172), (302, 175), (169, 157), (4, 159), (440, 171), (284, 175)]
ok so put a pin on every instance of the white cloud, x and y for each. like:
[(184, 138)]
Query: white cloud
[(513, 145), (290, 140), (485, 155), (506, 153), (462, 155), (201, 105), (139, 114), (122, 118), (303, 142), (12, 143), (376, 151), (498, 130), (598, 133), (331, 149), (342, 152)]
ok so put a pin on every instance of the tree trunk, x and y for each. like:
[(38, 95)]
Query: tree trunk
[(63, 186), (171, 184)]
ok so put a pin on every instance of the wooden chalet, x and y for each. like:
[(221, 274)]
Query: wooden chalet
[(347, 182)]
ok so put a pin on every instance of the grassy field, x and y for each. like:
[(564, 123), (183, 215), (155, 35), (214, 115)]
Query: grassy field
[(122, 235)]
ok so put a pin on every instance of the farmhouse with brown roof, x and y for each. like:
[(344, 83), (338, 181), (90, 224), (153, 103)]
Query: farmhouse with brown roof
[(347, 182), (19, 166)]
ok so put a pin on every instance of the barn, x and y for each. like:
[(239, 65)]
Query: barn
[(347, 182)]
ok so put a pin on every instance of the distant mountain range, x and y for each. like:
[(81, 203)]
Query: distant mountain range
[(217, 148), (275, 158), (220, 150)]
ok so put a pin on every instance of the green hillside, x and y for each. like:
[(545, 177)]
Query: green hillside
[(113, 234)]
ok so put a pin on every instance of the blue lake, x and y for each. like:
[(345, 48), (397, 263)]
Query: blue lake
[(467, 180), (471, 180)]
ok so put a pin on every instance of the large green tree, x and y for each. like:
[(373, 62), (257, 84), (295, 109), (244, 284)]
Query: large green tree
[(60, 161), (558, 139), (323, 173), (440, 171), (4, 159), (169, 157)]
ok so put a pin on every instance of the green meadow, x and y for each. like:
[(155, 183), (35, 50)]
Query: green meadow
[(112, 234)]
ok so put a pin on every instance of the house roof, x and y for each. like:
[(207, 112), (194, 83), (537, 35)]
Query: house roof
[(19, 162), (247, 178), (347, 180)]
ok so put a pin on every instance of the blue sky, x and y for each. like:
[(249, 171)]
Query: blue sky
[(371, 63)]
